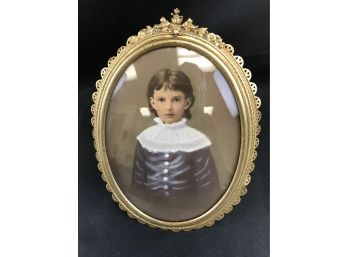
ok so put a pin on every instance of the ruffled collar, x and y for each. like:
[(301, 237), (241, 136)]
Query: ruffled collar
[(180, 124), (172, 137)]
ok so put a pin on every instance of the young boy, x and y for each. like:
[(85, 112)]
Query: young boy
[(173, 165)]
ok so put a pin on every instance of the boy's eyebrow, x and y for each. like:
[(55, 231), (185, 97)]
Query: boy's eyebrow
[(177, 96)]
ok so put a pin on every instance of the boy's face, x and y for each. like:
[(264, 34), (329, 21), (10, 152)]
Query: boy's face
[(170, 105)]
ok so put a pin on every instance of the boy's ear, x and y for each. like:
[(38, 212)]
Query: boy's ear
[(188, 103), (152, 102)]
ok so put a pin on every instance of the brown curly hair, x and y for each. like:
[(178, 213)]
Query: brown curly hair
[(173, 79)]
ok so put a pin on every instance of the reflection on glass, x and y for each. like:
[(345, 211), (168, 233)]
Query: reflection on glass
[(215, 118)]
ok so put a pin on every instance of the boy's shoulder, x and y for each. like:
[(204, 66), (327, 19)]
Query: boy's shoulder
[(146, 132), (195, 133)]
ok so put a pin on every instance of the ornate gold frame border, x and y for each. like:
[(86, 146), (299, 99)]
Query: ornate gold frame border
[(177, 33)]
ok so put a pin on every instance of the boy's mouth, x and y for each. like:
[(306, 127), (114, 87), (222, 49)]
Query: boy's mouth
[(169, 115)]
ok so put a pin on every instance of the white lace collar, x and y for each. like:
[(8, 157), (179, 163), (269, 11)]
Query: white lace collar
[(180, 124), (172, 137)]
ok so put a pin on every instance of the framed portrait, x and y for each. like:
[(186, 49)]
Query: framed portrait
[(175, 124)]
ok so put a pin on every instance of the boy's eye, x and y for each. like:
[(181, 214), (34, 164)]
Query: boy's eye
[(176, 99), (161, 99)]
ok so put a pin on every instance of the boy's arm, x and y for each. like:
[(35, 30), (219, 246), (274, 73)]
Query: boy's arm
[(205, 170), (139, 171)]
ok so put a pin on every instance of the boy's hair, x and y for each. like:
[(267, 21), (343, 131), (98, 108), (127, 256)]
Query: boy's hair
[(172, 79)]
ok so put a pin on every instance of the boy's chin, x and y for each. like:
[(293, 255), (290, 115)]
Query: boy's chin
[(167, 120)]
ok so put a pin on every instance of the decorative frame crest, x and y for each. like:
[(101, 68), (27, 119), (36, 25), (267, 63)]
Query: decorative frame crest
[(186, 34)]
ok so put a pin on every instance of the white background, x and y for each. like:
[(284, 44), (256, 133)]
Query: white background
[(38, 191)]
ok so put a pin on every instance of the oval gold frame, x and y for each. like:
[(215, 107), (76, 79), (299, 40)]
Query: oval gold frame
[(190, 36)]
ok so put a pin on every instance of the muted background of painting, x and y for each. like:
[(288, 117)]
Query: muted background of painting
[(104, 229), (124, 121)]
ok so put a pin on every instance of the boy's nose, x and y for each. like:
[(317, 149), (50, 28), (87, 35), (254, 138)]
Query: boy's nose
[(168, 105)]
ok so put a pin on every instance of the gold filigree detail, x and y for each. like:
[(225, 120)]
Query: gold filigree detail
[(247, 180), (93, 121), (100, 167), (243, 191), (131, 215), (257, 141), (216, 40), (220, 217), (111, 60), (120, 50), (258, 101), (97, 85), (141, 221), (113, 196), (123, 208), (229, 48), (254, 156), (177, 27), (239, 60), (95, 96), (188, 25), (228, 209), (132, 40), (142, 33), (253, 87), (176, 18), (259, 115), (247, 73), (236, 200), (202, 32), (176, 21), (251, 167), (163, 26), (103, 71)]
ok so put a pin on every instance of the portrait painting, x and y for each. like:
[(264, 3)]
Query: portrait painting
[(172, 134)]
